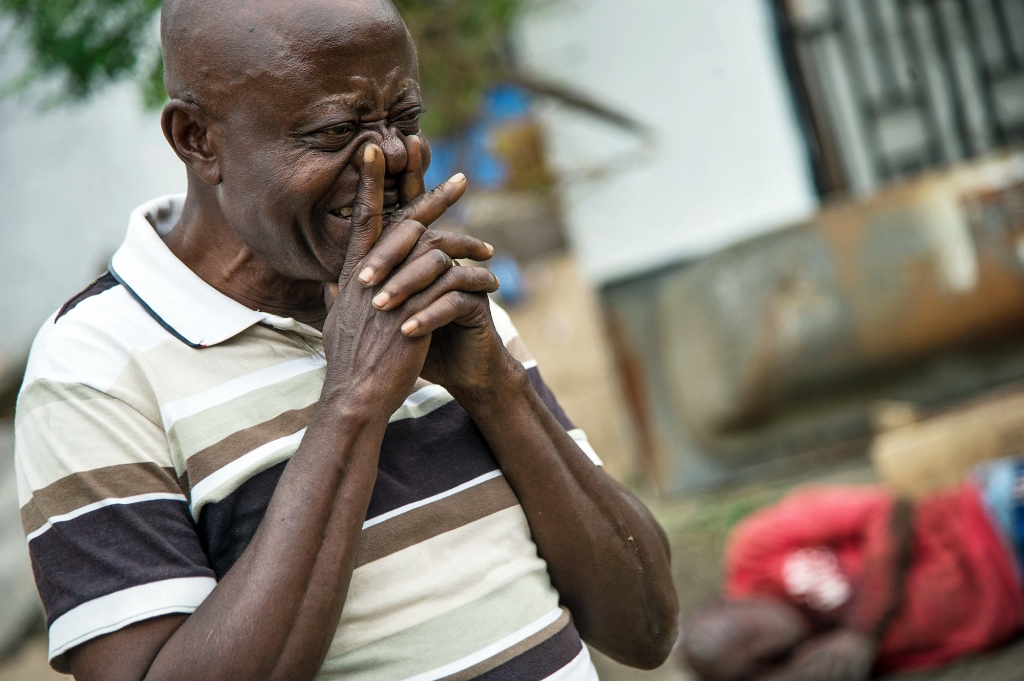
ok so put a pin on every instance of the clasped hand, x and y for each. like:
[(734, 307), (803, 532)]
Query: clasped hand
[(402, 307)]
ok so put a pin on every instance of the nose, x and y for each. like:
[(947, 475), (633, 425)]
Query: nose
[(395, 155)]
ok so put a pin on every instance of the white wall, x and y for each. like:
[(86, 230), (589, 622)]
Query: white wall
[(726, 161), (69, 177)]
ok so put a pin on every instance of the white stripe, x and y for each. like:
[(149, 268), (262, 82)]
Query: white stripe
[(529, 364), (491, 650), (225, 392), (239, 468), (88, 508), (121, 608), (422, 402), (429, 500), (423, 394), (583, 443), (580, 669)]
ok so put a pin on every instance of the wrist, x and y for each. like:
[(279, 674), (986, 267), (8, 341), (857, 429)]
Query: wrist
[(498, 391), (355, 408)]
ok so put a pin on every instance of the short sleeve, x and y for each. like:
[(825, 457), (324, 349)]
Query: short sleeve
[(109, 531), (517, 348)]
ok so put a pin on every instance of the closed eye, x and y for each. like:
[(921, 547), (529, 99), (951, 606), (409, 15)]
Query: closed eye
[(407, 118), (338, 130)]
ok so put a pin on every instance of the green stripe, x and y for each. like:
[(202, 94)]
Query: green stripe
[(448, 637), (199, 431), (44, 391)]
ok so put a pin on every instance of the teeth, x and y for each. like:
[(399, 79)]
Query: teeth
[(346, 212)]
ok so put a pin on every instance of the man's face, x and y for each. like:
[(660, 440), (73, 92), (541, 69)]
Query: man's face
[(289, 145)]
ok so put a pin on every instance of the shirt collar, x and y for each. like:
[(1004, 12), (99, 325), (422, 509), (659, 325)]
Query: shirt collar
[(189, 308)]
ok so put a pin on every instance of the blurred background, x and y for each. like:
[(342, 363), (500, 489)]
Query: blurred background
[(752, 243)]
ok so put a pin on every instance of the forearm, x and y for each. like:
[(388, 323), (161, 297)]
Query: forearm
[(606, 554), (275, 611)]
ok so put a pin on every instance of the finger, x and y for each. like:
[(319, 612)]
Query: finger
[(428, 207), (433, 274), (412, 177), (384, 257), (393, 247), (455, 244), (367, 209), (454, 306)]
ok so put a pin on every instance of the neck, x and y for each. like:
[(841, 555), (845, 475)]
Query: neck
[(207, 245)]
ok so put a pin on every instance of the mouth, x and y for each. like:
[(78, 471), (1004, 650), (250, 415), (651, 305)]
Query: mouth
[(346, 211)]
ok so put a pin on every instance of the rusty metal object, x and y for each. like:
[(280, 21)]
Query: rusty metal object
[(804, 314)]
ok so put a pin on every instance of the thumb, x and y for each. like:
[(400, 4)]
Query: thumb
[(367, 209)]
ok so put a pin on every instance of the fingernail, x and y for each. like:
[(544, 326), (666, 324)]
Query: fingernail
[(370, 153), (410, 326), (457, 177), (366, 276), (490, 248), (381, 299)]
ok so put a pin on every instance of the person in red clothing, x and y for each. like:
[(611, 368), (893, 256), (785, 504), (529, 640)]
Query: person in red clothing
[(835, 583)]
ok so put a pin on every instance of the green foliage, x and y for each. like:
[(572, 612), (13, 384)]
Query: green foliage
[(463, 49), (89, 43)]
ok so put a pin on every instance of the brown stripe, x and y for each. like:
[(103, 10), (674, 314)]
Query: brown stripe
[(208, 461), (515, 651), (32, 517), (81, 489), (517, 348), (444, 515)]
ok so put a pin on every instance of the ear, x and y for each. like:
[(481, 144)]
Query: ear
[(187, 129)]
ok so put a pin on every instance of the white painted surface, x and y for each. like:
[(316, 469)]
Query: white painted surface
[(726, 161), (69, 177)]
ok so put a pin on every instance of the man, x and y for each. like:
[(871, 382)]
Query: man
[(835, 582), (286, 437)]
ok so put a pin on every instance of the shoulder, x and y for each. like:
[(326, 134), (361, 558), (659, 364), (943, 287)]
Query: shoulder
[(90, 340)]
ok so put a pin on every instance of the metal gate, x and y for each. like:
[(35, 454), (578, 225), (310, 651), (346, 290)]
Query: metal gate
[(893, 87)]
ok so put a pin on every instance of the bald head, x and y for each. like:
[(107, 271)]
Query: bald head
[(216, 50)]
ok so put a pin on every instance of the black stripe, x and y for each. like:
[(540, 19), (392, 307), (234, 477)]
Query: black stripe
[(540, 661), (419, 457), (226, 527), (548, 398), (115, 548), (424, 456), (107, 281)]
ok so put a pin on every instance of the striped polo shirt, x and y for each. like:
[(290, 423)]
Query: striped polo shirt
[(156, 418)]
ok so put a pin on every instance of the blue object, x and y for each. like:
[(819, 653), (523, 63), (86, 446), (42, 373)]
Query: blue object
[(472, 152), (513, 287)]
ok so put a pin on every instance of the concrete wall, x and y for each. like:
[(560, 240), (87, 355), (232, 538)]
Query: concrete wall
[(726, 160), (69, 177)]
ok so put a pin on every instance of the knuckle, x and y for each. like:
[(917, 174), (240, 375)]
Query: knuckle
[(413, 227), (432, 239), (441, 258)]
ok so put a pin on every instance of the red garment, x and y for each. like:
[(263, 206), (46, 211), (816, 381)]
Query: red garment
[(832, 548)]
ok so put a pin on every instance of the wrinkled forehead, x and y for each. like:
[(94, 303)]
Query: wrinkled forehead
[(286, 56)]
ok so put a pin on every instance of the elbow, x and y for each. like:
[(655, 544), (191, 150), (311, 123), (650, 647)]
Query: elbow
[(650, 646), (657, 649)]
